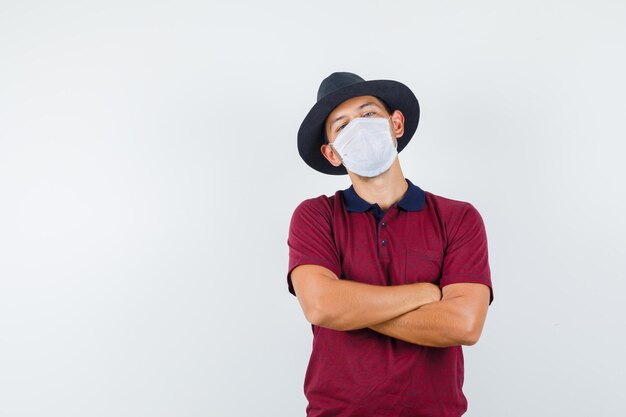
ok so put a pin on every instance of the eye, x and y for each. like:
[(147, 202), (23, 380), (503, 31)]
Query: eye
[(369, 114), (340, 127)]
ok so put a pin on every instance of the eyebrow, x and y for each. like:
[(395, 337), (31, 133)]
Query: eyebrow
[(361, 107)]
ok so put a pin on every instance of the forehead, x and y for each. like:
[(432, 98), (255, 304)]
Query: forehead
[(352, 105)]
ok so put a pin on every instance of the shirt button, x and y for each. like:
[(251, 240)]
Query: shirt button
[(384, 242), (383, 224)]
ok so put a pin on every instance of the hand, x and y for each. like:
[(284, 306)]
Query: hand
[(428, 292)]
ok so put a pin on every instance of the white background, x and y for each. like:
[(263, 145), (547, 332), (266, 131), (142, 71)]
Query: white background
[(149, 170)]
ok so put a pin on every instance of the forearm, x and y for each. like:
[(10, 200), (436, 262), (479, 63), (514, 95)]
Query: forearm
[(349, 305), (449, 322)]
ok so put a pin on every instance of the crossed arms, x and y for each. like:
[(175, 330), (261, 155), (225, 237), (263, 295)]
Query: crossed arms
[(419, 313)]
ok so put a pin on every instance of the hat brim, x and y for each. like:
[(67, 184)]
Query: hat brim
[(311, 133)]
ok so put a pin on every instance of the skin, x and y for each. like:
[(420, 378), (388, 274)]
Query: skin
[(419, 313)]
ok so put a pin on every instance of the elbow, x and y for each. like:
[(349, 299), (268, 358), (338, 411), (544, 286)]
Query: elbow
[(323, 315), (316, 312), (470, 339), (321, 309), (314, 315), (470, 332), (323, 318), (312, 302)]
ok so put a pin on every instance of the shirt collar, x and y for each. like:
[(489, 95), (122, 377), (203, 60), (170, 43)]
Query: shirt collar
[(413, 199)]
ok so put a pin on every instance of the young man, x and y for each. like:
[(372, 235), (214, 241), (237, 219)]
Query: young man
[(393, 279)]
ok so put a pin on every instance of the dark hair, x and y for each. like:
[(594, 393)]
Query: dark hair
[(387, 108)]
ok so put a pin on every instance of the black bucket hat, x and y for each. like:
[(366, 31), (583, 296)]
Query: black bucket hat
[(339, 87)]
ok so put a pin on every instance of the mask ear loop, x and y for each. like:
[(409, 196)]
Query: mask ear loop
[(332, 145)]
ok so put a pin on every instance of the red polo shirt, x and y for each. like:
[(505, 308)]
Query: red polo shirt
[(423, 237)]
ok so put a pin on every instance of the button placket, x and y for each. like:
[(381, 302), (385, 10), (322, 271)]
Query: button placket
[(383, 240)]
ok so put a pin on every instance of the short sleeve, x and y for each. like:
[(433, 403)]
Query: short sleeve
[(310, 238), (466, 257)]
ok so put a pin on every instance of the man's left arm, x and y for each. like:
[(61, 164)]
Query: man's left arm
[(457, 319)]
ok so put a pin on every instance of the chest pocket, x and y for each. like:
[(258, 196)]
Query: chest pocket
[(423, 265)]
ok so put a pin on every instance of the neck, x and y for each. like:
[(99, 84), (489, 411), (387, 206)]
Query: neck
[(385, 189)]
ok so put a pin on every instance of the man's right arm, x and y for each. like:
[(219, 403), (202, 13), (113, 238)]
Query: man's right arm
[(341, 304)]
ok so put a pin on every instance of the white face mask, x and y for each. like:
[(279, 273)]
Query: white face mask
[(366, 147)]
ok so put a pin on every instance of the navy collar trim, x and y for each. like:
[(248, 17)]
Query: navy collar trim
[(413, 199)]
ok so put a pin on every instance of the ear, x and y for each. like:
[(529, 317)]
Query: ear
[(330, 154), (397, 118)]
